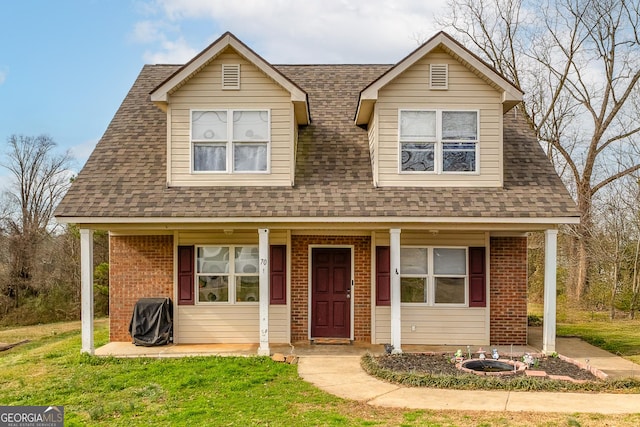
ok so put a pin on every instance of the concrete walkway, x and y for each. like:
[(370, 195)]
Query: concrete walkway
[(343, 376)]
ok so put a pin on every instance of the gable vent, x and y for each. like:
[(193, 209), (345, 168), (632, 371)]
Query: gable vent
[(439, 76), (230, 76)]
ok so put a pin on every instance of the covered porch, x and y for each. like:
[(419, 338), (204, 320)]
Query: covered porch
[(264, 346)]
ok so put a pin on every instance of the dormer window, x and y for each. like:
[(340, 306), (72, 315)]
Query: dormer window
[(230, 140), (438, 141)]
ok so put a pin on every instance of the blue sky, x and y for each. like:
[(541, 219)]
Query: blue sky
[(66, 65)]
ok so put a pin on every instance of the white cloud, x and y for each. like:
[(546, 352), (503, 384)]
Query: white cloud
[(81, 152), (291, 31), (146, 32), (171, 52)]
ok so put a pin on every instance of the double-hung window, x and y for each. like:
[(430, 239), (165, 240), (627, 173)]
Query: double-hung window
[(234, 141), (438, 141), (227, 274), (433, 276)]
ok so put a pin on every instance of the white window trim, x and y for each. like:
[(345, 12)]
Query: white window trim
[(438, 142), (229, 142), (431, 276), (231, 293)]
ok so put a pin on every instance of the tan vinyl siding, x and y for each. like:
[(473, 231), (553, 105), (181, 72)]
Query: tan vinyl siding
[(294, 151), (435, 326), (238, 237), (373, 145), (232, 324), (257, 91), (382, 327), (425, 238), (278, 324), (466, 91), (444, 326)]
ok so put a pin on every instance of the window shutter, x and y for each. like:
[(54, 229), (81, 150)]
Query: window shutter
[(230, 76), (439, 76), (383, 275), (278, 274), (477, 277), (186, 283)]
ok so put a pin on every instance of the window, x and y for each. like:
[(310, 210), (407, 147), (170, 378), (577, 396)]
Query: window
[(433, 276), (438, 141), (230, 140), (418, 138), (413, 275), (449, 275), (227, 274)]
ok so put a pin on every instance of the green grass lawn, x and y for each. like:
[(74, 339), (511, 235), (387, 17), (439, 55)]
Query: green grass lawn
[(203, 391), (619, 336)]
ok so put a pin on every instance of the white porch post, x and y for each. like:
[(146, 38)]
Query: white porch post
[(86, 277), (549, 325), (394, 250), (263, 249)]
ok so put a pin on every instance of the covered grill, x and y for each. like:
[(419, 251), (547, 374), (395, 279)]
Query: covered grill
[(152, 322)]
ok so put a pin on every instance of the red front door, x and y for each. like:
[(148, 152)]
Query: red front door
[(331, 293)]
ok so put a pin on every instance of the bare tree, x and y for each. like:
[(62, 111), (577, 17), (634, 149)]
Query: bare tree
[(578, 63), (39, 179)]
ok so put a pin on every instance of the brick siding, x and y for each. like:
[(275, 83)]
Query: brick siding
[(139, 267), (300, 283), (508, 290)]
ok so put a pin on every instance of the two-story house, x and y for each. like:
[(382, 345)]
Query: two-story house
[(278, 204)]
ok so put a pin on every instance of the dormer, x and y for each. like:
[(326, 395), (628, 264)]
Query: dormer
[(435, 119), (232, 119)]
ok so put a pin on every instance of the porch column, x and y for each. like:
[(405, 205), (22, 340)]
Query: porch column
[(86, 278), (263, 249), (394, 249), (549, 325)]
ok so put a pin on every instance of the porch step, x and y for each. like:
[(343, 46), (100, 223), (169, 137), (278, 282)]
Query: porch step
[(331, 341)]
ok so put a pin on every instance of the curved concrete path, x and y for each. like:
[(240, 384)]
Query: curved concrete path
[(344, 377)]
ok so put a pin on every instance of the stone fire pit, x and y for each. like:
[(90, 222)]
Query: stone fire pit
[(498, 367)]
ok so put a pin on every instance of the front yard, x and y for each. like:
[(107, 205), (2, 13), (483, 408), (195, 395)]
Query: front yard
[(49, 370)]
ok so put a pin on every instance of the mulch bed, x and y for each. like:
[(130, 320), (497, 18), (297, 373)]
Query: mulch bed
[(441, 364)]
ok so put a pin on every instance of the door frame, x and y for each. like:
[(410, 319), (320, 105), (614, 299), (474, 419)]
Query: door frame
[(310, 285)]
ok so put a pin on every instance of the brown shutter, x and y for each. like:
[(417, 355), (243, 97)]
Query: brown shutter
[(383, 275), (278, 274), (186, 284), (477, 277)]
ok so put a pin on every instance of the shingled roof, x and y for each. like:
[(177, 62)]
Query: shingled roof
[(125, 177)]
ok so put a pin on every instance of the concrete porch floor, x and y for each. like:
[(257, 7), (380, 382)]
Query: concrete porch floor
[(304, 348)]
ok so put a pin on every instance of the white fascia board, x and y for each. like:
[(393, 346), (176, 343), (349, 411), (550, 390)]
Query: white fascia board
[(329, 220)]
